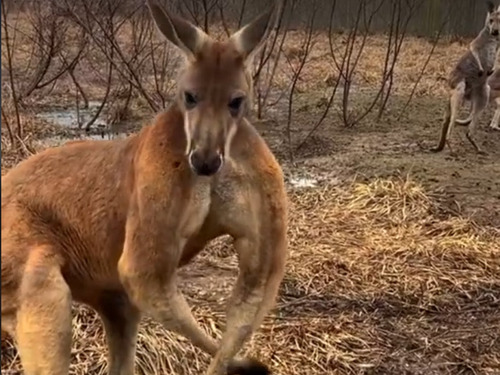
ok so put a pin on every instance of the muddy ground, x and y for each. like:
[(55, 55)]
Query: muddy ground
[(400, 147)]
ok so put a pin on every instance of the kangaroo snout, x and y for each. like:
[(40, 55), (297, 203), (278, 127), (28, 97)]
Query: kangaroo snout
[(205, 163)]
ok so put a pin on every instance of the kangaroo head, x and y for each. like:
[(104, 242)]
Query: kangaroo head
[(493, 19), (214, 87)]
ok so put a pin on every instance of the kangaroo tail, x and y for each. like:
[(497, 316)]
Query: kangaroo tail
[(444, 129)]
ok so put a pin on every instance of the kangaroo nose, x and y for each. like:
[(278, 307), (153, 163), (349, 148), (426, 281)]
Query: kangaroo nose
[(205, 164), (495, 33)]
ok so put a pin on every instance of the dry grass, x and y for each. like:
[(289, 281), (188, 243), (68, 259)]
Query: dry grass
[(34, 129), (379, 281), (320, 68)]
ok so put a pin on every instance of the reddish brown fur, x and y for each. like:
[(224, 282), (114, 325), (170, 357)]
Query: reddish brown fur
[(107, 223), (81, 217)]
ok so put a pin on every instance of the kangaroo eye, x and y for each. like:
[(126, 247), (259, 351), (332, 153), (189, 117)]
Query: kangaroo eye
[(235, 105), (190, 100)]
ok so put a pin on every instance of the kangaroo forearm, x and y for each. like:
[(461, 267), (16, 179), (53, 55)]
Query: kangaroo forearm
[(244, 318), (147, 270), (476, 57), (239, 328), (159, 297), (179, 318), (254, 294)]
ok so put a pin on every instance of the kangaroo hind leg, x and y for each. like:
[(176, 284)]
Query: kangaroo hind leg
[(121, 321), (43, 328), (454, 103), (480, 102), (466, 121), (496, 117)]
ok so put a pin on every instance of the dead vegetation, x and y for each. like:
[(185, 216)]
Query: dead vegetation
[(379, 281)]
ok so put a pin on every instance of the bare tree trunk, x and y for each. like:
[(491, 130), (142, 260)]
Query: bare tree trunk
[(9, 49), (306, 48)]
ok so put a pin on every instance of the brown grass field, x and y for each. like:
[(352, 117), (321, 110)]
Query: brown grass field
[(394, 261)]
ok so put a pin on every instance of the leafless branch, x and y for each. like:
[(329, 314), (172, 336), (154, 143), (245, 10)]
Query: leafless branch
[(400, 31), (306, 48), (9, 43), (424, 67)]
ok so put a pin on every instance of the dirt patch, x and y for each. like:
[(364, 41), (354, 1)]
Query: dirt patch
[(400, 146)]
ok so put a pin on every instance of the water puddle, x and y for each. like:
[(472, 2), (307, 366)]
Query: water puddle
[(303, 182), (304, 177), (68, 117), (68, 120)]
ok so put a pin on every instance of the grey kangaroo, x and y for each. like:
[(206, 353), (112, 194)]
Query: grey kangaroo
[(493, 83), (494, 86), (468, 80)]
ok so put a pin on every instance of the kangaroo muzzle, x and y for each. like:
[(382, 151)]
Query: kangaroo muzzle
[(205, 163)]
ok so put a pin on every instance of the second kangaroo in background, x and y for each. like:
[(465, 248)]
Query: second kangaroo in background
[(493, 83), (494, 90), (468, 80)]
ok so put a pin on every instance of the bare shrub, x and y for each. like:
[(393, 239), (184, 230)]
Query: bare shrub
[(130, 65)]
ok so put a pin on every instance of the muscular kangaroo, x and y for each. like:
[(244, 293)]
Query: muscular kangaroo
[(108, 223)]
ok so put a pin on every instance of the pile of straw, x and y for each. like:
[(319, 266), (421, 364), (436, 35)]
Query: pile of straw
[(380, 281)]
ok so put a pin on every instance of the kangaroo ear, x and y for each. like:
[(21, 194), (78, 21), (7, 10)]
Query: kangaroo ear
[(251, 37), (491, 6), (182, 33)]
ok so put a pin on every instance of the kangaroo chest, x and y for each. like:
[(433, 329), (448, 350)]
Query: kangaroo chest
[(195, 211), (221, 206), (488, 56)]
